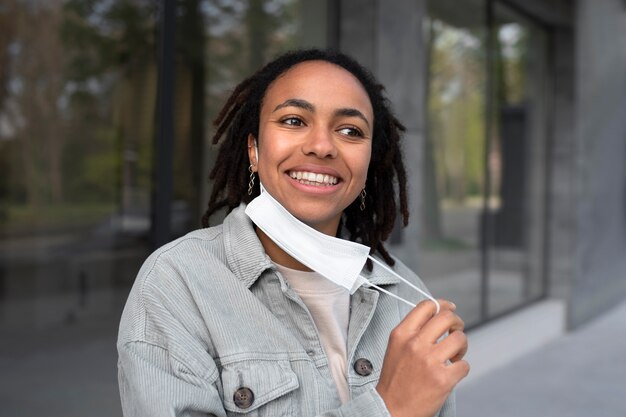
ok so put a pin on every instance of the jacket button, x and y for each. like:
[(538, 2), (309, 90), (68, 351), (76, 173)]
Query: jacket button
[(363, 367), (243, 397)]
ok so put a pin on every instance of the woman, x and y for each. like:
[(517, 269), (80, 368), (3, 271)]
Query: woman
[(224, 322)]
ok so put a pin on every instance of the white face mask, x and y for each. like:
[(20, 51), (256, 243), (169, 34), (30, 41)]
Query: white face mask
[(338, 260)]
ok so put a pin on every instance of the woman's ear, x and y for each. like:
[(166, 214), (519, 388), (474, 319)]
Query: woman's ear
[(253, 152)]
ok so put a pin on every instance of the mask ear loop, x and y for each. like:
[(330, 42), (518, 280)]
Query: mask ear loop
[(425, 294)]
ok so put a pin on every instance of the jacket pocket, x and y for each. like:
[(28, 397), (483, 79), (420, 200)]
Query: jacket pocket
[(259, 387)]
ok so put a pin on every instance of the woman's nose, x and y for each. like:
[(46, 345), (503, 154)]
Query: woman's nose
[(320, 143)]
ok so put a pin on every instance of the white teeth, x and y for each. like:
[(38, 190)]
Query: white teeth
[(311, 178)]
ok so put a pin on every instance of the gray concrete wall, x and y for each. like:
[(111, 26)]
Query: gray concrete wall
[(587, 195), (387, 37), (358, 33), (401, 68), (601, 166)]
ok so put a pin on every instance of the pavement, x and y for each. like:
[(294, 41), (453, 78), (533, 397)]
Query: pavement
[(64, 371), (577, 374), (72, 370)]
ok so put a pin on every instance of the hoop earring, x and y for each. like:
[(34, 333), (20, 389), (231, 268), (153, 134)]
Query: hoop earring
[(251, 183), (363, 194)]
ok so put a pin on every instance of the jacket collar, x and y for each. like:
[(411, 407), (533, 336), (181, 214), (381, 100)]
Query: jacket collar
[(244, 251), (248, 260)]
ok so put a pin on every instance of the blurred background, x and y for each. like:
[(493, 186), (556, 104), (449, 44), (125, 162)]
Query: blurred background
[(516, 149)]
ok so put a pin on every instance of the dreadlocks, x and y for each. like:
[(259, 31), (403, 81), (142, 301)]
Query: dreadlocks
[(386, 177)]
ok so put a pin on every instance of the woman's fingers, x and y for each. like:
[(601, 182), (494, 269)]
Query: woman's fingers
[(422, 313), (418, 373), (453, 347), (445, 322)]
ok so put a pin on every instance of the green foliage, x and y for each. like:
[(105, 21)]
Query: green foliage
[(27, 219), (111, 49), (512, 55), (456, 110), (104, 36), (103, 111), (99, 179), (243, 35)]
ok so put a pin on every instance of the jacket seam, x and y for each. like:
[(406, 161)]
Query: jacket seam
[(211, 377)]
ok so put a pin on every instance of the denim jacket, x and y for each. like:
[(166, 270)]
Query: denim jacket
[(211, 328)]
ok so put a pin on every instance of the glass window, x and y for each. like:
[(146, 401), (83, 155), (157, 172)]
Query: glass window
[(484, 167), (77, 112), (77, 115), (220, 43), (78, 102), (517, 167), (454, 150)]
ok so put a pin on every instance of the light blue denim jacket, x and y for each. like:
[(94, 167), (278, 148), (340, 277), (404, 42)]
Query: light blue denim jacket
[(209, 314)]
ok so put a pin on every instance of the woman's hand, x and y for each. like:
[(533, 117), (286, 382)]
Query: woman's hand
[(420, 370)]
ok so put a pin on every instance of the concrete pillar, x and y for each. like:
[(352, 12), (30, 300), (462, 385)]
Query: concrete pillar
[(387, 37), (601, 142)]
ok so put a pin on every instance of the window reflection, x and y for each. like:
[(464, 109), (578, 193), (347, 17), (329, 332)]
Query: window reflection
[(78, 94), (454, 155), (219, 44), (517, 162), (484, 173), (77, 116)]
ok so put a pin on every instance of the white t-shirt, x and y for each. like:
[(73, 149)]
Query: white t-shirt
[(329, 305)]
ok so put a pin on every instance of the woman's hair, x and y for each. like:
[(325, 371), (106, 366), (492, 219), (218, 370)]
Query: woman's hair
[(386, 177)]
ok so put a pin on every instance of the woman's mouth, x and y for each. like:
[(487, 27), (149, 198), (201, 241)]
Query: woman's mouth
[(312, 178)]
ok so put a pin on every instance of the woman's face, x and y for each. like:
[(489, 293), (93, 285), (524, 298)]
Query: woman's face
[(315, 142)]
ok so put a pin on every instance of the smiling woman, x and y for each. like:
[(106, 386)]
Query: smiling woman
[(224, 321), (315, 123), (384, 194)]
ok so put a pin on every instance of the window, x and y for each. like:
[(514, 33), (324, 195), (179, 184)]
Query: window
[(484, 158), (79, 93), (77, 117)]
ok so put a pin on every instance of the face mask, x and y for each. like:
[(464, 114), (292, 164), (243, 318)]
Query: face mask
[(338, 260)]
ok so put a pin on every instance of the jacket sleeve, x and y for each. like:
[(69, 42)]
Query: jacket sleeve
[(449, 407), (370, 404), (163, 368)]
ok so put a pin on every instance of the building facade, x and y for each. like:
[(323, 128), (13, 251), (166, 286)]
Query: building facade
[(515, 118), (516, 142)]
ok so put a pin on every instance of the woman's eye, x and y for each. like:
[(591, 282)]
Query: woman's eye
[(293, 121), (351, 131)]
